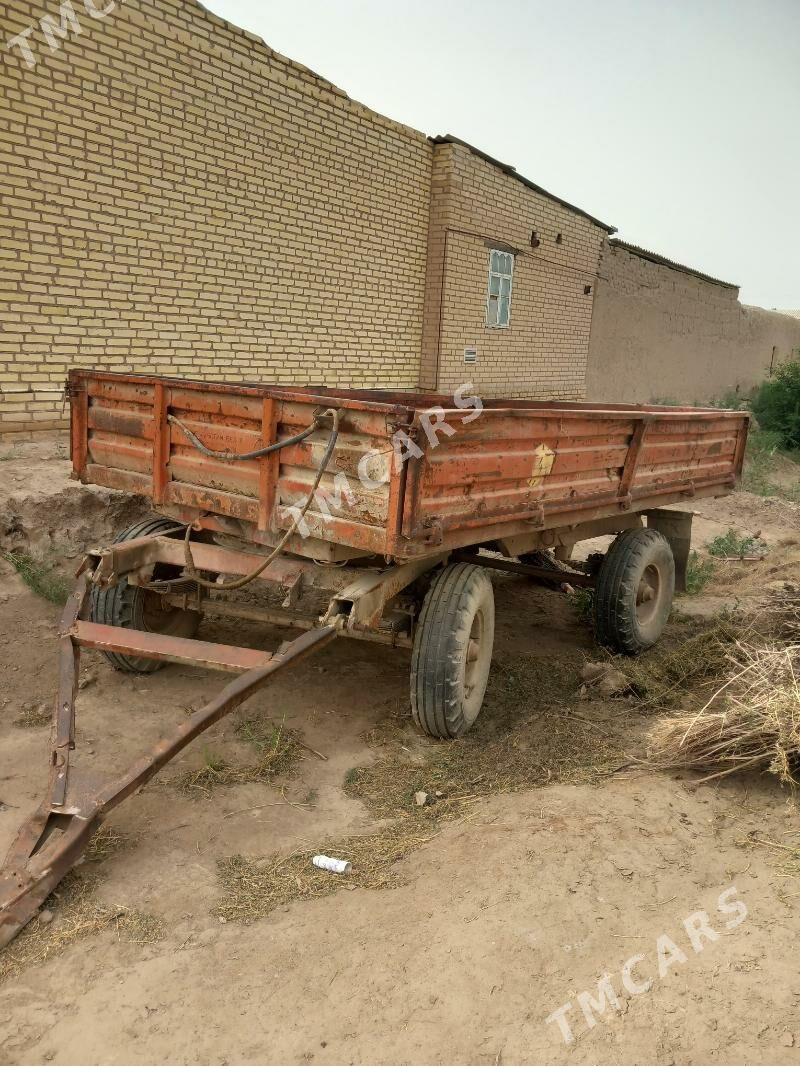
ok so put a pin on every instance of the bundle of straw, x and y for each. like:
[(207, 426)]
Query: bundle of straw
[(752, 721), (782, 611)]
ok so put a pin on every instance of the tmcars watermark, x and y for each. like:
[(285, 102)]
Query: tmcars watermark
[(375, 466), (57, 28), (634, 977)]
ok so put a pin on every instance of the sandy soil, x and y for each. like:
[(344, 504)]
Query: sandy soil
[(508, 913)]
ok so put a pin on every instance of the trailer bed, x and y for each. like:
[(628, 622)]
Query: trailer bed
[(511, 468)]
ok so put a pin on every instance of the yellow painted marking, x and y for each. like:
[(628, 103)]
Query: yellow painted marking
[(543, 460)]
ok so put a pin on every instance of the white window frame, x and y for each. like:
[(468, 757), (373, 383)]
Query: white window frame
[(501, 270)]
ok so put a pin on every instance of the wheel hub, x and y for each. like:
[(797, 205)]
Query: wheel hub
[(647, 594)]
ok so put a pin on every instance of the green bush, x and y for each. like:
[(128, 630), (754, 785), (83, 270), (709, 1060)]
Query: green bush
[(731, 545), (776, 405), (698, 573), (731, 401)]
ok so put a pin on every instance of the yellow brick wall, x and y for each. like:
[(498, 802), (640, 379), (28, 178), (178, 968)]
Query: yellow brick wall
[(184, 200), (543, 353)]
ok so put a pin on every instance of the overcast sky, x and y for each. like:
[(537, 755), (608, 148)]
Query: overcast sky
[(678, 121)]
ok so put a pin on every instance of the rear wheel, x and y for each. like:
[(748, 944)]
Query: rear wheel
[(634, 590), (132, 607), (452, 651)]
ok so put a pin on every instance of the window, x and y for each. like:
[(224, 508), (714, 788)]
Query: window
[(498, 301)]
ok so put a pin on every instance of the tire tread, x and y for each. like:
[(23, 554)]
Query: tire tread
[(435, 695), (114, 606), (614, 622)]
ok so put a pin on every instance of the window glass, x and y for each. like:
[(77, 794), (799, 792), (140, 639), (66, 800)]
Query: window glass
[(498, 299)]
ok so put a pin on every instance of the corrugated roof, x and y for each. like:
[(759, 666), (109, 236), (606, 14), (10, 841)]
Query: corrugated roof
[(512, 172), (654, 257)]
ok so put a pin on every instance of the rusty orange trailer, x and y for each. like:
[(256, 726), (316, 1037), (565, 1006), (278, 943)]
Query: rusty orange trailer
[(511, 469), (392, 506)]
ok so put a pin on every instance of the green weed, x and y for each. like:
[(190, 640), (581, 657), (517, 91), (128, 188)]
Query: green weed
[(735, 545), (582, 601), (762, 454), (39, 576), (698, 573)]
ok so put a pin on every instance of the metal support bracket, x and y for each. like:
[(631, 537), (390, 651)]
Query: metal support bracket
[(676, 526)]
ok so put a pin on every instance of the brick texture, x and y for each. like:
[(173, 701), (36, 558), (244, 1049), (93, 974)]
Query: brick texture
[(543, 352), (660, 334), (183, 200), (180, 199)]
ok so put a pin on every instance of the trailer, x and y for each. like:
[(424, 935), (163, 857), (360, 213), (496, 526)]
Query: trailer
[(392, 507)]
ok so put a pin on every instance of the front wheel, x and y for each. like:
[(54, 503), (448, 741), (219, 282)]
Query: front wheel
[(452, 651), (132, 607), (634, 590)]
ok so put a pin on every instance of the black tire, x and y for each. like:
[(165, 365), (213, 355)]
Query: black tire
[(456, 623), (634, 590), (131, 607)]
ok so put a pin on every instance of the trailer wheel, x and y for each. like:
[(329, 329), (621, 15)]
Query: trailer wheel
[(452, 651), (634, 590), (131, 607)]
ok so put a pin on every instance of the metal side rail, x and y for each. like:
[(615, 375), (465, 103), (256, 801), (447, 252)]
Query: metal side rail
[(53, 839)]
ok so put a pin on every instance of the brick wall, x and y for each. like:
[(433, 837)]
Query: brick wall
[(659, 333), (476, 205), (184, 200)]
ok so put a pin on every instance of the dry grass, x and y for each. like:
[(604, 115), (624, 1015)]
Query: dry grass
[(77, 914), (750, 722), (278, 751), (781, 612), (33, 717), (527, 737), (787, 854), (253, 888), (751, 718), (681, 665)]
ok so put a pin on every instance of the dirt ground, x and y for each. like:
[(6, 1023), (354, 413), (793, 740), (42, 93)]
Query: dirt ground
[(517, 904)]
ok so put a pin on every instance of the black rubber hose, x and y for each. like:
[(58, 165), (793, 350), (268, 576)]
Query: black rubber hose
[(232, 457), (247, 578)]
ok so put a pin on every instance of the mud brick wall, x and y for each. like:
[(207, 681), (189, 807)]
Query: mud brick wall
[(183, 200), (661, 334)]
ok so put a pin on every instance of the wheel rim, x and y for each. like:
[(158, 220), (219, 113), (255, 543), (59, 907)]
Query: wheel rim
[(473, 653), (477, 655), (648, 594)]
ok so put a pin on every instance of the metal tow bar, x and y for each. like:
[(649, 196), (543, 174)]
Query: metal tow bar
[(53, 839)]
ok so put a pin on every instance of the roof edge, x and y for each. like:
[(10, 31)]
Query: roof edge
[(654, 257), (448, 138)]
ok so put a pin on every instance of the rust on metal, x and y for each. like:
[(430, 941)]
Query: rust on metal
[(160, 442), (79, 427), (55, 837), (631, 464), (676, 526), (365, 598), (268, 465), (136, 642), (518, 462), (570, 577), (523, 474), (129, 556)]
